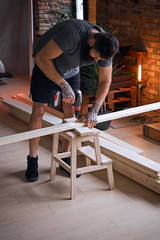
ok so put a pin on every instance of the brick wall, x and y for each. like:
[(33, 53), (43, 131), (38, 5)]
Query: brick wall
[(42, 18), (139, 24)]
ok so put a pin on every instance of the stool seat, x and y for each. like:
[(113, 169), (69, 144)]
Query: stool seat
[(95, 160)]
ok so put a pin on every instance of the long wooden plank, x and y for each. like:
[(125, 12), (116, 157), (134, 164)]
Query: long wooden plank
[(89, 152), (129, 158), (26, 99), (38, 133), (118, 114), (128, 112), (19, 106), (137, 176), (120, 142), (73, 125), (23, 111)]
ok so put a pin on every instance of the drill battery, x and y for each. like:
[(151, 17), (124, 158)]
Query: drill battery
[(55, 98)]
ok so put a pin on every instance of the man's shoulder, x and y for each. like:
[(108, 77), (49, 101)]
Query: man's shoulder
[(76, 23)]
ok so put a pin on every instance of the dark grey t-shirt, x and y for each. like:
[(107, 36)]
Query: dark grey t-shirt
[(72, 37)]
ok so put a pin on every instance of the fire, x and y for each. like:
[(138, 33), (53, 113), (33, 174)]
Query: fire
[(139, 73)]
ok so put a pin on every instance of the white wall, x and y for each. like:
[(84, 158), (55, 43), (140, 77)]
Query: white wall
[(14, 43)]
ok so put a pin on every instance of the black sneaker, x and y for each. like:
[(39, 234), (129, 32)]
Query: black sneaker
[(68, 161), (32, 169)]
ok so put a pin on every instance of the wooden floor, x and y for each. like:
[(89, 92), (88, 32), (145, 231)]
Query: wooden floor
[(42, 210)]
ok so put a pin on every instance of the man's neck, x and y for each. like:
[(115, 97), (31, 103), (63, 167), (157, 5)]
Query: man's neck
[(91, 39)]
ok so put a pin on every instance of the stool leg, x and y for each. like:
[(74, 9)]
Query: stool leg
[(97, 150), (88, 161), (110, 176), (54, 152), (73, 169)]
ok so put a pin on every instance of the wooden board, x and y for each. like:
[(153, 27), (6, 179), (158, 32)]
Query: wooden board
[(23, 98), (85, 131), (120, 142), (152, 131), (73, 125), (23, 111), (89, 152), (147, 170), (128, 112), (137, 176), (136, 161)]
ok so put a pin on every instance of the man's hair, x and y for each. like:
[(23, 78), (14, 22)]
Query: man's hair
[(107, 44)]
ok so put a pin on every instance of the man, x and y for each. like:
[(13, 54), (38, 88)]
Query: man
[(58, 56)]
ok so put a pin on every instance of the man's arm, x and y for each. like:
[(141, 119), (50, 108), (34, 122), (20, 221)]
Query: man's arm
[(43, 59), (105, 78)]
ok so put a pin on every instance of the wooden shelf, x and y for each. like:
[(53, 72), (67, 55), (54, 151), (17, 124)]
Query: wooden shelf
[(120, 95), (126, 95)]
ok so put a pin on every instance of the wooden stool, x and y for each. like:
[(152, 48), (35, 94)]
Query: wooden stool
[(76, 137)]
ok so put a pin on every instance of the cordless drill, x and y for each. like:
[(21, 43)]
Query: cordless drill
[(56, 97)]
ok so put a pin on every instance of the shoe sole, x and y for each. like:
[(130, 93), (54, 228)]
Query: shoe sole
[(31, 179)]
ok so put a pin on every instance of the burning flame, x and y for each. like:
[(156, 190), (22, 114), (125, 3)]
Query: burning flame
[(139, 73)]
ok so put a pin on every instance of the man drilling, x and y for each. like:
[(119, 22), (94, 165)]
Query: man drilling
[(58, 56)]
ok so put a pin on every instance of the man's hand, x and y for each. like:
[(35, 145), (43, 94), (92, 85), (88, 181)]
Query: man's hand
[(67, 93), (91, 116)]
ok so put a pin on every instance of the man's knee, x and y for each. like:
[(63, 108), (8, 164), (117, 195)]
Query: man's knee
[(38, 110)]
